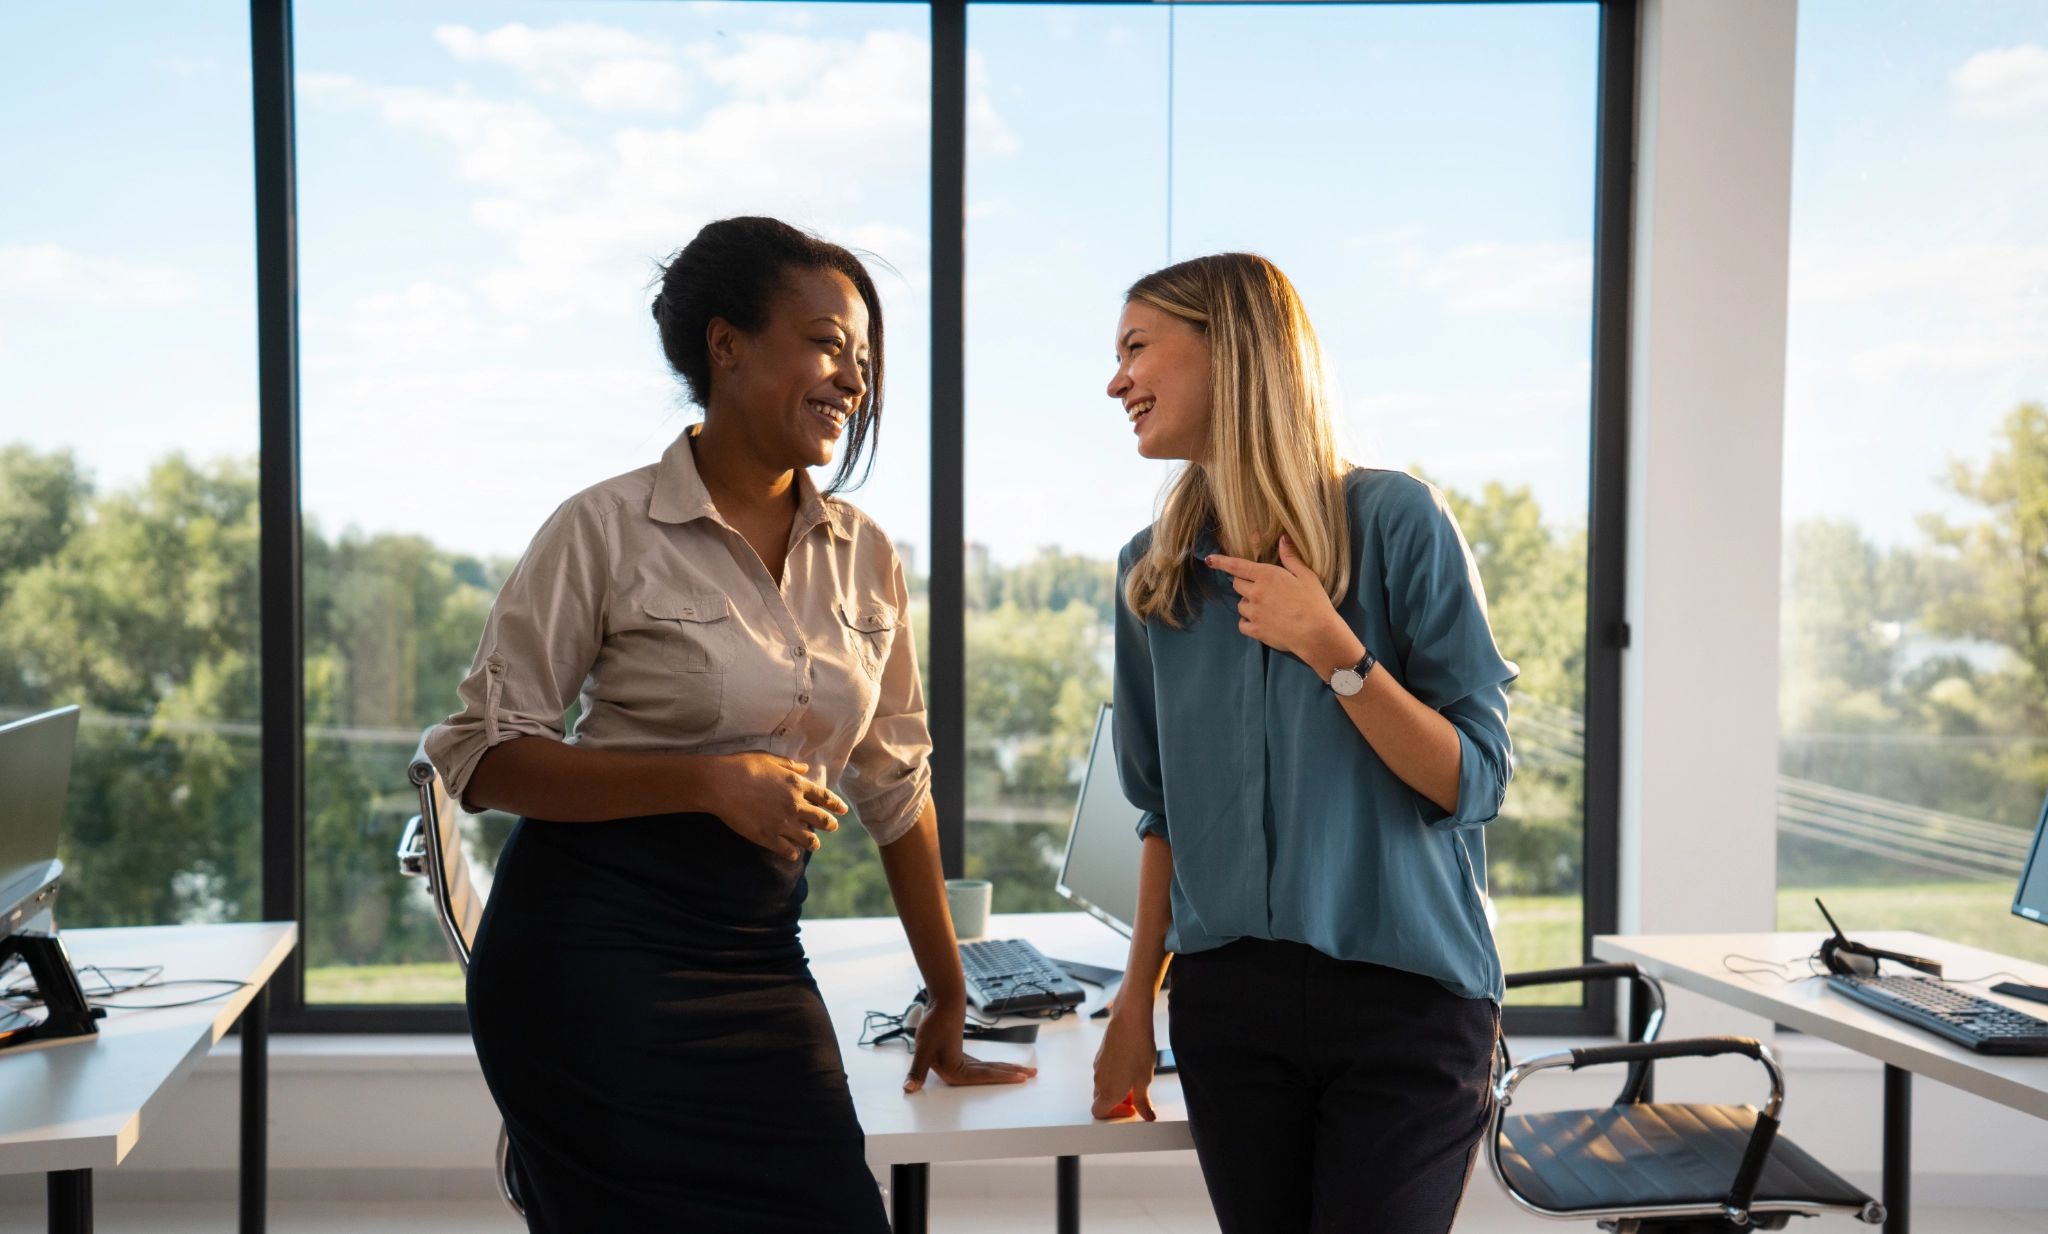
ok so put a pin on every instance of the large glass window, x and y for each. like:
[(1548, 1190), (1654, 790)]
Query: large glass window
[(1914, 671), (1425, 175), (128, 520), (485, 191)]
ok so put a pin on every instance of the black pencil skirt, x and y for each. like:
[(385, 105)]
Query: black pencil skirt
[(1329, 1095), (649, 1027)]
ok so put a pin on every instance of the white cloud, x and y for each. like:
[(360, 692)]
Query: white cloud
[(54, 272), (609, 68), (807, 126), (1955, 309), (511, 145), (423, 319), (1493, 278), (986, 132), (2005, 81)]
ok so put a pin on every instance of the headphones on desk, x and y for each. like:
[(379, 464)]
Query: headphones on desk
[(1852, 959)]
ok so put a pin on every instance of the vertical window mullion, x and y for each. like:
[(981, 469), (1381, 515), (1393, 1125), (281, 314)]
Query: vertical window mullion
[(1606, 630), (277, 356), (947, 703)]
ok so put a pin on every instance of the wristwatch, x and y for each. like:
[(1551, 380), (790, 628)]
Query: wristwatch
[(1349, 681)]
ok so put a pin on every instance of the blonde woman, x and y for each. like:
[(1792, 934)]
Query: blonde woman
[(1312, 714)]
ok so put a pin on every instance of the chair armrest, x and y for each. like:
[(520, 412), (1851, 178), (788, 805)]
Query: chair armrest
[(421, 770), (1684, 1047), (1578, 972), (1743, 1190), (1646, 1020)]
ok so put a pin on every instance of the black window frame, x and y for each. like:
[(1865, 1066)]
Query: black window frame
[(282, 583)]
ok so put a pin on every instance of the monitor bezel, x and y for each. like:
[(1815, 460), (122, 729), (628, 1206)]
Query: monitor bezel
[(1102, 732), (2027, 870)]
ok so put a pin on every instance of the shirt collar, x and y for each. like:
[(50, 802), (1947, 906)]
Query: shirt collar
[(680, 495)]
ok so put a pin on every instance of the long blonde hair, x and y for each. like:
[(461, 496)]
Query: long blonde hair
[(1273, 465)]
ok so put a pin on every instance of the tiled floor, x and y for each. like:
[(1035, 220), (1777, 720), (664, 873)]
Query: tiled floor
[(1485, 1214)]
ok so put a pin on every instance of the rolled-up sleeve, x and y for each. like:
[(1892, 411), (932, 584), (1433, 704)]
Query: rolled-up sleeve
[(1135, 717), (543, 635), (889, 772), (1448, 657)]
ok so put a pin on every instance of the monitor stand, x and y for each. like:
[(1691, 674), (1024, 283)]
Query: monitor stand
[(67, 1014), (2034, 993)]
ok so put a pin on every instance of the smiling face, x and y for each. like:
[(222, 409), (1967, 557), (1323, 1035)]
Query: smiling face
[(1162, 380), (790, 389)]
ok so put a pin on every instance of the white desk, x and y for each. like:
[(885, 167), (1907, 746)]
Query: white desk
[(864, 964), (1696, 962), (70, 1107)]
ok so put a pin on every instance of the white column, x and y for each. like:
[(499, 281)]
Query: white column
[(1707, 383)]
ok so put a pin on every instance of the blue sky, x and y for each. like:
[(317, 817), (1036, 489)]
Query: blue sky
[(485, 186)]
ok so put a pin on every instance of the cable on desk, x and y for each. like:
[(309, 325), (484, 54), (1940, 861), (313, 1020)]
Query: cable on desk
[(24, 996), (1771, 968), (879, 1027)]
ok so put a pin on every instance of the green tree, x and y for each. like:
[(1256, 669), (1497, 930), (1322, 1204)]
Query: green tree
[(146, 616), (1535, 581), (2005, 555)]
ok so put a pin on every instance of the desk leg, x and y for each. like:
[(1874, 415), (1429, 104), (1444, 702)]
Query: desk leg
[(1898, 1149), (910, 1198), (1068, 1200), (255, 1111), (70, 1201)]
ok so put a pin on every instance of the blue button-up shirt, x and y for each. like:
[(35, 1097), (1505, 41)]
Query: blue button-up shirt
[(1284, 823)]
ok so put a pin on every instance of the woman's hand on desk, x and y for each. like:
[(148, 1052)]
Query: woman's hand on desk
[(769, 800), (939, 1049), (1124, 1062)]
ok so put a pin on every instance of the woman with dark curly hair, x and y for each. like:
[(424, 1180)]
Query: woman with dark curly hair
[(740, 645)]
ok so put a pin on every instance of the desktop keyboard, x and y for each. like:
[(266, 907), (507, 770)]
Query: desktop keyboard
[(1010, 977), (1940, 1008)]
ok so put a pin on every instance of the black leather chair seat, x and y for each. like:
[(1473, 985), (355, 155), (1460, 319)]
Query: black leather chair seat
[(1628, 1156)]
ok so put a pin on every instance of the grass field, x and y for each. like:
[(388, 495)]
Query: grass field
[(1979, 914), (1539, 932), (1535, 932), (385, 983)]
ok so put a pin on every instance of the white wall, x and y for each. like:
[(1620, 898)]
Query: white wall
[(1707, 384)]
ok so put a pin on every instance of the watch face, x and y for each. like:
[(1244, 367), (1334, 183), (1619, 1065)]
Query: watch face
[(1346, 682)]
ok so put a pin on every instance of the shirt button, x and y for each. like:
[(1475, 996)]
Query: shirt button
[(780, 731), (803, 698), (799, 651)]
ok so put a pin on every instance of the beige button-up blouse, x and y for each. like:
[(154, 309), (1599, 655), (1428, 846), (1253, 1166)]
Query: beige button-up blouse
[(637, 597)]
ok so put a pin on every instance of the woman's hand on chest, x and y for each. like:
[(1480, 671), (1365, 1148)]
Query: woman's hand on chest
[(1286, 608)]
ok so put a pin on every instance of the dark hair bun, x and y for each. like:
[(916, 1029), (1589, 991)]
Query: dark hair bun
[(733, 269)]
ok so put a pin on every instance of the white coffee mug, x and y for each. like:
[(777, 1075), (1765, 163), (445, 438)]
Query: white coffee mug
[(969, 900)]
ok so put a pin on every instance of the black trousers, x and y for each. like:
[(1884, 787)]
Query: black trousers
[(1329, 1095)]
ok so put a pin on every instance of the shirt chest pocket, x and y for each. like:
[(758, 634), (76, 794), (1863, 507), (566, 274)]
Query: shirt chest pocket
[(696, 632), (870, 630)]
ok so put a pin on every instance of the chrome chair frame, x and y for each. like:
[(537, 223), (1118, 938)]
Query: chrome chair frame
[(1740, 1207), (420, 852)]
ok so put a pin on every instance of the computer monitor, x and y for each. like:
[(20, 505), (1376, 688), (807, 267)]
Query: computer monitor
[(35, 765), (1100, 870), (2030, 898)]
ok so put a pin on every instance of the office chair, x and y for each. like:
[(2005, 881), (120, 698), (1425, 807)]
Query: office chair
[(1639, 1167), (432, 847)]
